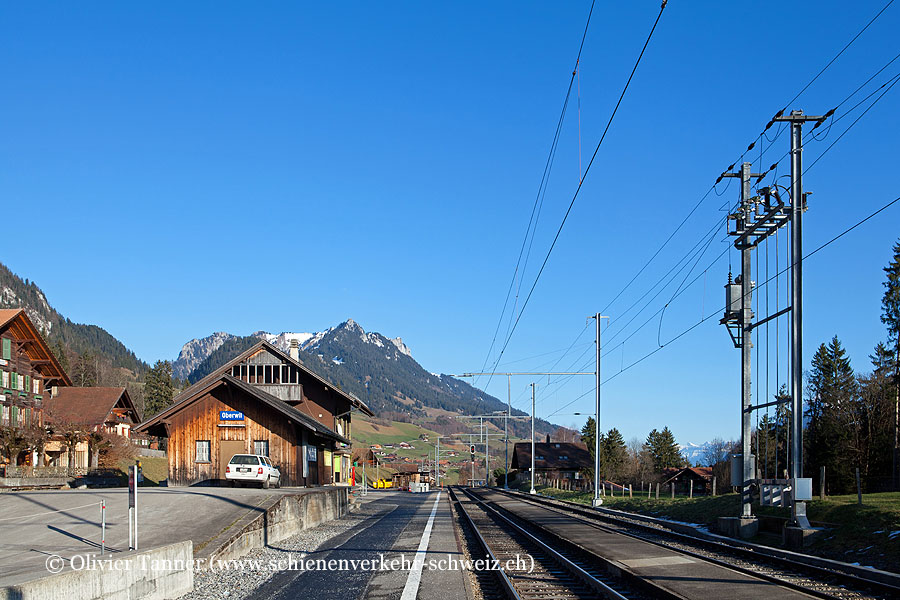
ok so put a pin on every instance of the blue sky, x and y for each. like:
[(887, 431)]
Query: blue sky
[(206, 167)]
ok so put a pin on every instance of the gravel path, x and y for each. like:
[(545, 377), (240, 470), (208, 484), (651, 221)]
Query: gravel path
[(252, 570)]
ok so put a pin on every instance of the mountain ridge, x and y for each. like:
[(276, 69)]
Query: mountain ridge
[(378, 369)]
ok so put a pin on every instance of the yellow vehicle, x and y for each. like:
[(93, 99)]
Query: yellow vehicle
[(381, 484)]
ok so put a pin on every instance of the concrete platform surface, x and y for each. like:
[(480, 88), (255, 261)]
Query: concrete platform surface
[(685, 576), (402, 525), (35, 525)]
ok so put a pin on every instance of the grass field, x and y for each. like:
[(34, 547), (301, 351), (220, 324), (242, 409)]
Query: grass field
[(861, 533)]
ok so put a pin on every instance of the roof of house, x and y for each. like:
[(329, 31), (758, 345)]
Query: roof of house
[(360, 454), (17, 320), (563, 456), (264, 345), (698, 472), (87, 405), (406, 469), (197, 391)]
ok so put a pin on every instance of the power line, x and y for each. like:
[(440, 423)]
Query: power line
[(719, 311), (580, 184), (750, 147), (547, 167)]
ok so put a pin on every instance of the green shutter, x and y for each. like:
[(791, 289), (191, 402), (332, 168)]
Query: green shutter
[(13, 380), (28, 383), (13, 414), (7, 348)]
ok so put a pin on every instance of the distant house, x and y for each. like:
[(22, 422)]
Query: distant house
[(556, 460), (682, 478), (407, 474), (406, 445), (103, 409), (94, 409), (365, 455)]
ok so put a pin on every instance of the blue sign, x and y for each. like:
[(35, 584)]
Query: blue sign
[(231, 415)]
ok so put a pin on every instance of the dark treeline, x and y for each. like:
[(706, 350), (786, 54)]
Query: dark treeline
[(850, 417)]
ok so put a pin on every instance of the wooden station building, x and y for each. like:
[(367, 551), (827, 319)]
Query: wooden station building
[(262, 402)]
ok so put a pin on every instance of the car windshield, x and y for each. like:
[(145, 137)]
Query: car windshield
[(244, 459)]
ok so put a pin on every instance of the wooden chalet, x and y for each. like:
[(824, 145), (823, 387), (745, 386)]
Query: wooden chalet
[(262, 402), (557, 460), (107, 410), (28, 372), (689, 479)]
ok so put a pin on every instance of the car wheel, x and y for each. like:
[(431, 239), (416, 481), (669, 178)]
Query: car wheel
[(265, 484)]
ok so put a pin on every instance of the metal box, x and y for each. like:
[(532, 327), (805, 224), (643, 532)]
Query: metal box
[(733, 298), (803, 488), (737, 469)]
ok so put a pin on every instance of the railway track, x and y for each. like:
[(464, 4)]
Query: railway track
[(810, 579), (526, 567)]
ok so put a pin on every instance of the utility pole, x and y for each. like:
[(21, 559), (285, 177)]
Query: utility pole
[(751, 227), (487, 456), (532, 438), (506, 429), (798, 206), (597, 499)]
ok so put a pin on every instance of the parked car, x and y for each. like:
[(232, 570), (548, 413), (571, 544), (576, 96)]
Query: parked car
[(252, 468)]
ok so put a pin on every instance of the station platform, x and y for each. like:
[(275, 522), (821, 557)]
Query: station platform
[(682, 575)]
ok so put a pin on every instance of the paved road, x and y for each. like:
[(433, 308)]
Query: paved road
[(397, 529), (28, 535)]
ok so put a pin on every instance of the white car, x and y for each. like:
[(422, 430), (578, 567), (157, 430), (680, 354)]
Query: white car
[(252, 468)]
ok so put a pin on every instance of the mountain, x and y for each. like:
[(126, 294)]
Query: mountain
[(77, 338), (348, 356), (694, 453)]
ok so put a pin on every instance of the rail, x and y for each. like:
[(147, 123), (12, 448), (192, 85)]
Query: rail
[(751, 553)]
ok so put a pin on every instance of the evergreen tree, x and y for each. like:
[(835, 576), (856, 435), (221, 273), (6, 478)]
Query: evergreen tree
[(59, 351), (158, 388), (615, 454), (832, 401), (664, 450), (587, 434), (890, 316)]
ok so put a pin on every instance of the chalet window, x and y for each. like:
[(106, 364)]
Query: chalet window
[(261, 447), (36, 386), (202, 451), (7, 349), (5, 380), (20, 382), (4, 419)]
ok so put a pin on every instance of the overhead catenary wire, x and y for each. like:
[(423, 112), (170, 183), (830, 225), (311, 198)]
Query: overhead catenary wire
[(781, 128), (541, 187), (712, 188), (581, 184), (719, 311)]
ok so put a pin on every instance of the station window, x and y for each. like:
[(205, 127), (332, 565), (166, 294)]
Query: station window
[(261, 447), (202, 451)]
